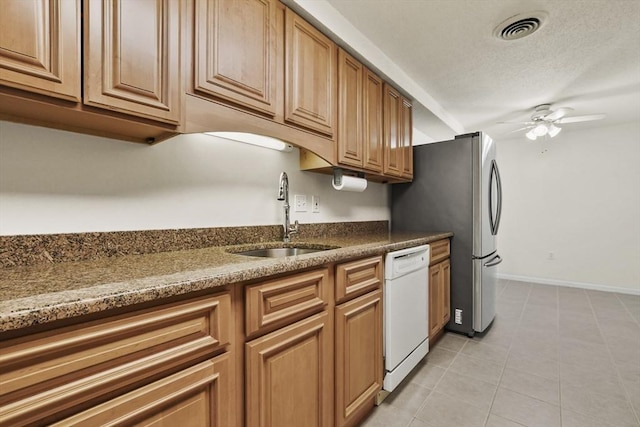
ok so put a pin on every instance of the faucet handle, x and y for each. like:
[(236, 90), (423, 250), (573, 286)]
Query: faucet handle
[(294, 228)]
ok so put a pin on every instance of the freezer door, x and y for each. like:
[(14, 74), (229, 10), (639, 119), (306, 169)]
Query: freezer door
[(485, 282)]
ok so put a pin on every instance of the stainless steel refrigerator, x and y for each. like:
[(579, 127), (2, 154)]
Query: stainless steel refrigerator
[(456, 187)]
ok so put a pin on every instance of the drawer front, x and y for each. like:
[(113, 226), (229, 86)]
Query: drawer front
[(439, 250), (280, 302), (358, 277), (56, 370), (199, 395)]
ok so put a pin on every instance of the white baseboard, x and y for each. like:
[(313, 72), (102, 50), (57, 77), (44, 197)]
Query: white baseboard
[(570, 284)]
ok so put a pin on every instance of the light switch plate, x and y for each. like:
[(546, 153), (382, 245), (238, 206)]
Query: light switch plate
[(300, 203), (315, 204)]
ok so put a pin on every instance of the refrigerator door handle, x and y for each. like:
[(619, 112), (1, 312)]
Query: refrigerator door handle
[(499, 182), (493, 261), (495, 220)]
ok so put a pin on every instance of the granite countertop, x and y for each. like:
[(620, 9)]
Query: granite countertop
[(38, 294)]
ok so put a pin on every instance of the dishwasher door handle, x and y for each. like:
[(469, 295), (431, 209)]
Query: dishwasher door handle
[(493, 261)]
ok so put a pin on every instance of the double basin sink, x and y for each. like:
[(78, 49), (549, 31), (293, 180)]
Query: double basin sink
[(283, 251)]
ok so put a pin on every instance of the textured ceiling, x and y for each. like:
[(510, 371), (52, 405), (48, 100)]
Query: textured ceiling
[(586, 56)]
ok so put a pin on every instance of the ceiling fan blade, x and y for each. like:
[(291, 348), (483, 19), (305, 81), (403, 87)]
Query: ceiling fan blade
[(518, 130), (576, 119), (514, 123), (557, 114)]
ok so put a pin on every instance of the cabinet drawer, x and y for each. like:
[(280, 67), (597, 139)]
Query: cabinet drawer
[(199, 395), (279, 302), (51, 372), (358, 277), (439, 250)]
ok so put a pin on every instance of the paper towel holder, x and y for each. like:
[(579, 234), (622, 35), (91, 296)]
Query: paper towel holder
[(337, 175)]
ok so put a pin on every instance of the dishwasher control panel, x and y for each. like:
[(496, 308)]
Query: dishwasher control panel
[(405, 261)]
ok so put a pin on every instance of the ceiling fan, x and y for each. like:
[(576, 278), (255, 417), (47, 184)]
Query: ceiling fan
[(545, 121)]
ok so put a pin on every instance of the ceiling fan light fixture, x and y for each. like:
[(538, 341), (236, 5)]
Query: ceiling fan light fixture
[(530, 135), (540, 130), (554, 130)]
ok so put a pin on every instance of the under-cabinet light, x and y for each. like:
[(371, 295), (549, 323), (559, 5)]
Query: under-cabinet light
[(254, 139)]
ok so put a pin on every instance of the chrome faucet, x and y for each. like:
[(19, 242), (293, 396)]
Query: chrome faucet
[(283, 194)]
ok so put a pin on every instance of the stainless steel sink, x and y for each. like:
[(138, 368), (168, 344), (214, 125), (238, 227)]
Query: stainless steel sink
[(280, 252)]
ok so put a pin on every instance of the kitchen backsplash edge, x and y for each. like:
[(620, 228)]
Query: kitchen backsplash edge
[(25, 250)]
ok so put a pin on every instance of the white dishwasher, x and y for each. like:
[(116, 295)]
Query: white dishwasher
[(406, 312)]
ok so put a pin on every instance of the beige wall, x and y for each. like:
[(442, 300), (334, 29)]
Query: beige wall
[(576, 196), (56, 182)]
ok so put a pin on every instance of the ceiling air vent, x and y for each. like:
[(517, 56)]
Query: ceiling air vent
[(521, 25)]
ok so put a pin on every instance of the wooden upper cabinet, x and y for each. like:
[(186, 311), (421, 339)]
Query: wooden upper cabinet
[(235, 52), (360, 115), (398, 151), (350, 147), (372, 122), (406, 120), (40, 47), (132, 62), (393, 154), (310, 76)]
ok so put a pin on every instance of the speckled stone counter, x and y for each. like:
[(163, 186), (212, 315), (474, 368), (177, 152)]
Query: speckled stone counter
[(42, 293)]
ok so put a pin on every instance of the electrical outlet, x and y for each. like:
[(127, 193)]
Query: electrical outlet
[(458, 316), (300, 203), (315, 204)]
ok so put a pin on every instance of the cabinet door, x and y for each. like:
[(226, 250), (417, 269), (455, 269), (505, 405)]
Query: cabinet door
[(40, 47), (393, 152), (406, 133), (310, 76), (372, 122), (132, 62), (235, 51), (289, 376), (197, 396), (435, 300), (350, 147), (358, 357), (445, 268)]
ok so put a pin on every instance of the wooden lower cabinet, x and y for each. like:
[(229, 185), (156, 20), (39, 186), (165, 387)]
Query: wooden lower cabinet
[(358, 357), (50, 376), (439, 289), (358, 320), (199, 396), (289, 375), (310, 344)]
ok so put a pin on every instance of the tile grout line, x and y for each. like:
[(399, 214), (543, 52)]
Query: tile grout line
[(627, 310), (559, 357), (458, 352), (439, 379), (486, 420), (624, 388)]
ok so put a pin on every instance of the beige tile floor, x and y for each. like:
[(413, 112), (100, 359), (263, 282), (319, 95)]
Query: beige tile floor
[(555, 356)]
